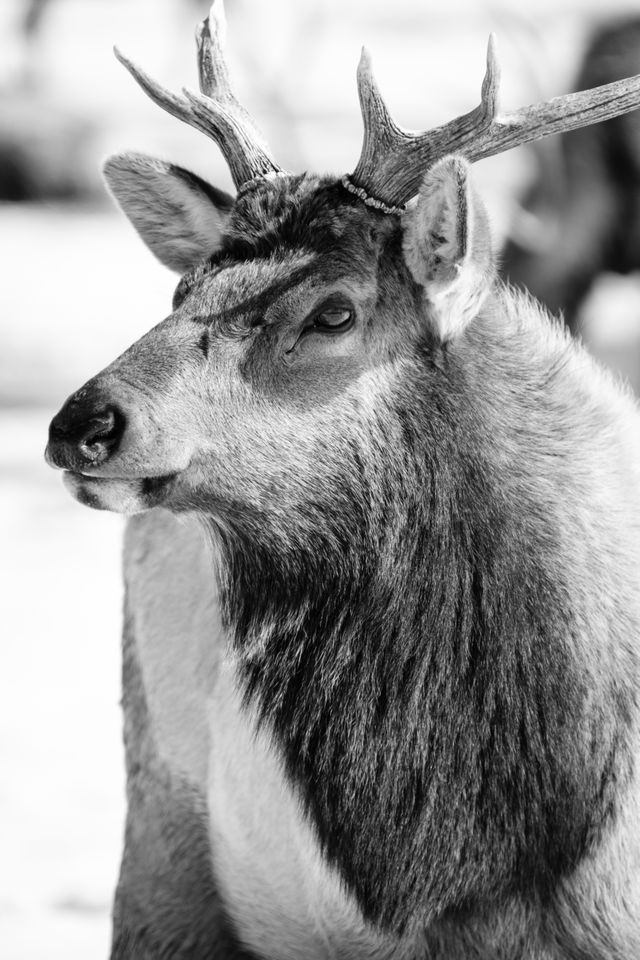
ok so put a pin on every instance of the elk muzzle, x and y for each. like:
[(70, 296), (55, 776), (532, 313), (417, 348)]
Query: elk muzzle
[(115, 457)]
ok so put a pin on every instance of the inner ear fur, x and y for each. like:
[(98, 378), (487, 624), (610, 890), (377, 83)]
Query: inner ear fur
[(180, 217), (447, 246)]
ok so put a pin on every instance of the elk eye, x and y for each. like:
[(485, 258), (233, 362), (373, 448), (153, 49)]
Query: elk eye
[(335, 319)]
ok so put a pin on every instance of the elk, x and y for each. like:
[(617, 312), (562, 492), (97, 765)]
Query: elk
[(381, 664), (586, 202)]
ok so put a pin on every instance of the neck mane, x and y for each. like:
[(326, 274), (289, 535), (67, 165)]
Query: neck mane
[(411, 646)]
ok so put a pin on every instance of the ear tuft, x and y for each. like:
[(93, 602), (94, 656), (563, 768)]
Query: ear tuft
[(447, 246), (180, 217)]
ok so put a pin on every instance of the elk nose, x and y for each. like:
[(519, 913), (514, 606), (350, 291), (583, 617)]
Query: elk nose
[(81, 438)]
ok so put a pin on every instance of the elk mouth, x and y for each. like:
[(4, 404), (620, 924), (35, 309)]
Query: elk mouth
[(149, 481), (118, 494)]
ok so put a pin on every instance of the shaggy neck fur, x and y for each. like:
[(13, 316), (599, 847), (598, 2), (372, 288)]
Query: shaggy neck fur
[(413, 644)]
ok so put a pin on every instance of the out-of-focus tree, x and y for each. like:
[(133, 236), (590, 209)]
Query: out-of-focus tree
[(582, 211)]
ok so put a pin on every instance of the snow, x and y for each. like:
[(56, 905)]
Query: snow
[(61, 796)]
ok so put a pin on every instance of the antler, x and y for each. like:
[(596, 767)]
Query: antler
[(215, 111), (393, 160)]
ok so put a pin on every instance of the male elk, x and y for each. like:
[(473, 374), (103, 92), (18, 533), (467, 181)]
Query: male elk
[(588, 204), (381, 669)]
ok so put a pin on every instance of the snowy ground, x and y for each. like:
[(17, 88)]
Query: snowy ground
[(61, 797), (61, 791)]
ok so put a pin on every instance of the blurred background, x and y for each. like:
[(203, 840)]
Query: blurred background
[(77, 287)]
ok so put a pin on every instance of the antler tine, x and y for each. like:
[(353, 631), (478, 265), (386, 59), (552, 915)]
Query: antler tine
[(491, 84), (378, 123), (212, 67), (393, 161), (215, 111), (164, 98)]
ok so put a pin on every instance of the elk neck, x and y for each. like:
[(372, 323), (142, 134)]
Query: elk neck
[(396, 624)]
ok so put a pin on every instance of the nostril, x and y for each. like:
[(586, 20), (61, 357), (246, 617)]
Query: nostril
[(84, 433), (100, 427), (101, 434)]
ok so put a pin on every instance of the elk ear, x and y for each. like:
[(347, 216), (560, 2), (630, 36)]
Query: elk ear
[(447, 246), (180, 217)]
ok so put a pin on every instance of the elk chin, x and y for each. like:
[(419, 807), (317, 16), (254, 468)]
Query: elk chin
[(126, 496)]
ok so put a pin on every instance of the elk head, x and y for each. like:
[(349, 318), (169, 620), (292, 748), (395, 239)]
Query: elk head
[(308, 306)]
